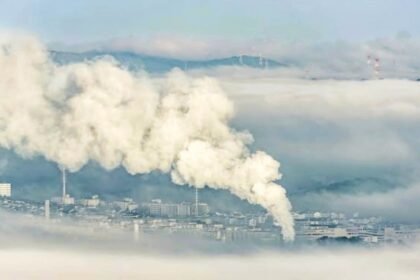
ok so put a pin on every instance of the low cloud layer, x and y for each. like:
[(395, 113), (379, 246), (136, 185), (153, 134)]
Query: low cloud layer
[(396, 57), (354, 121), (345, 145), (37, 249), (397, 204), (376, 265)]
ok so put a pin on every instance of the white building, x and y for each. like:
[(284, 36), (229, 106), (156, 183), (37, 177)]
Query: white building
[(66, 200), (158, 209), (203, 209), (401, 234), (184, 209), (316, 232), (5, 189), (126, 204), (154, 207), (91, 202), (169, 210)]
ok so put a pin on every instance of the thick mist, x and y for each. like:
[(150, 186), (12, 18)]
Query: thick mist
[(40, 249), (97, 111), (346, 146), (386, 264)]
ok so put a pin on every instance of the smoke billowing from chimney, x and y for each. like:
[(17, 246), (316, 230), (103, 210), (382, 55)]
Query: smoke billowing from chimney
[(97, 111)]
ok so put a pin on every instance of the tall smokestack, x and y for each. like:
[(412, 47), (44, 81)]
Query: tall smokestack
[(196, 202), (136, 231), (63, 172), (47, 209)]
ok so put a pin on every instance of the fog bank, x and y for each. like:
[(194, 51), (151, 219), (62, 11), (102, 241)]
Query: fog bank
[(390, 264)]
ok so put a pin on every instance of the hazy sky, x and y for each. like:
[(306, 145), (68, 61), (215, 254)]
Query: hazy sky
[(303, 20)]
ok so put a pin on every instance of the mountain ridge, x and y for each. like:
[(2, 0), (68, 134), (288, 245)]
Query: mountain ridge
[(156, 64)]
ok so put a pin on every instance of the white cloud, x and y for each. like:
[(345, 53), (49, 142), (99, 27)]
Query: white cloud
[(380, 264), (329, 131), (365, 121)]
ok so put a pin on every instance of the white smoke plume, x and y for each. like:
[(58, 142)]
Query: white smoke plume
[(97, 111)]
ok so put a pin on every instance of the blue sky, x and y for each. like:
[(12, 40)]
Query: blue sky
[(289, 20)]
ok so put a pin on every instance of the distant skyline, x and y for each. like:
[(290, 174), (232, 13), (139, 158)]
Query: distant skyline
[(76, 22)]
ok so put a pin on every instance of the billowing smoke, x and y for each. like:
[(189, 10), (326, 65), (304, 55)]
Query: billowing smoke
[(97, 111)]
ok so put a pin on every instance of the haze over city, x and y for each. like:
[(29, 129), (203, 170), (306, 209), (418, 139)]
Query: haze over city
[(233, 135)]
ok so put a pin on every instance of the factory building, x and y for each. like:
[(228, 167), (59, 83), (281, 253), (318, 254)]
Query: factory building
[(156, 208), (203, 209), (184, 209), (91, 202), (65, 200), (153, 208), (169, 210), (127, 204), (5, 190)]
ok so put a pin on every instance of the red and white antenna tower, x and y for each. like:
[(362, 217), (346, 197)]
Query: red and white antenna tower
[(377, 67), (375, 64), (369, 60)]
